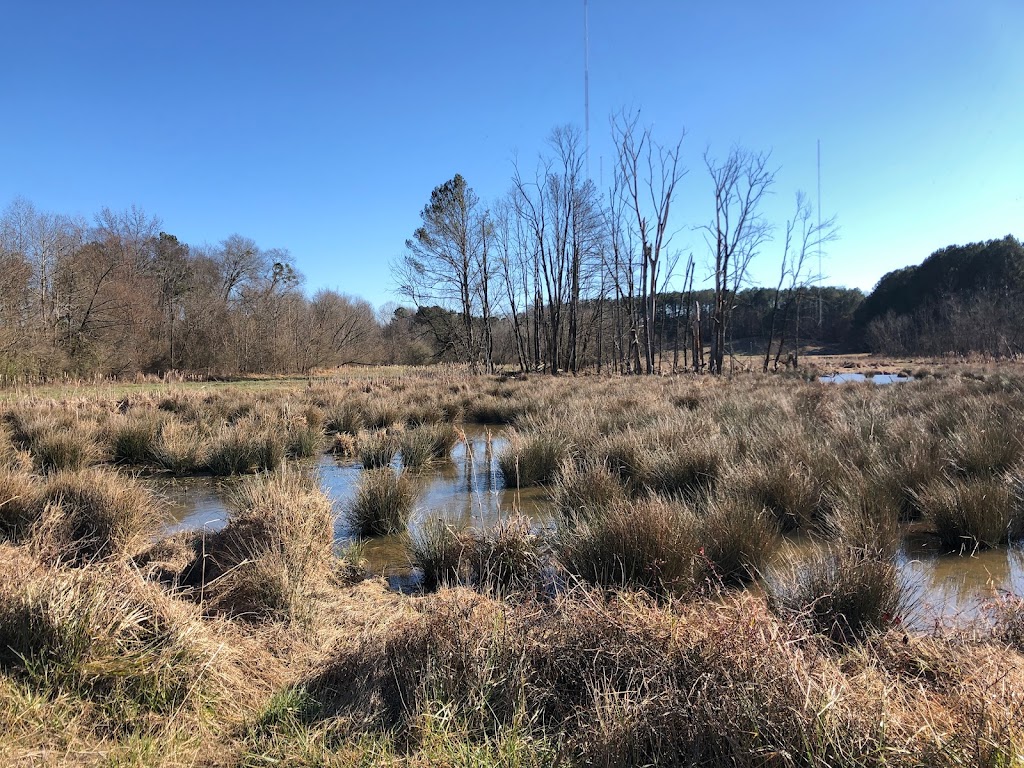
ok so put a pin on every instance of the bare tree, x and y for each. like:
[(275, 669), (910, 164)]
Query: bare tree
[(736, 233), (803, 237), (650, 173)]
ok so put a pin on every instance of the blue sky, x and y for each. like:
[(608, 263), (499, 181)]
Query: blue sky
[(321, 127)]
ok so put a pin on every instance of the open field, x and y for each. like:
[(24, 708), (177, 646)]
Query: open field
[(653, 624)]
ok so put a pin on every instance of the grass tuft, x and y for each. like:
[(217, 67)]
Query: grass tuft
[(383, 503), (841, 595)]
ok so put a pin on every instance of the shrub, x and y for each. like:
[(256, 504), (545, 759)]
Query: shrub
[(383, 503)]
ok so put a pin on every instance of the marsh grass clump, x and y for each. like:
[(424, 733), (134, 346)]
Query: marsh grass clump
[(63, 448), (20, 503), (690, 468), (650, 545), (506, 557), (303, 440), (134, 439), (1009, 622), (416, 446), (274, 553), (130, 651), (585, 487), (866, 518), (439, 551), (986, 447), (93, 514), (841, 594), (383, 503), (346, 418), (789, 490), (739, 539), (624, 455), (971, 513), (245, 447), (180, 448), (533, 458), (377, 448)]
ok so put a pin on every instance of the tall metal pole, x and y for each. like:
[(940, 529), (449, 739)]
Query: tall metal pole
[(820, 313), (586, 82)]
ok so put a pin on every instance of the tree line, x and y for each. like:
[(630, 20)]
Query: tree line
[(118, 295), (962, 299)]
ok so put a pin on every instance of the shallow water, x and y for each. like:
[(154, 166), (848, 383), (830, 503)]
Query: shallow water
[(469, 491), (878, 378)]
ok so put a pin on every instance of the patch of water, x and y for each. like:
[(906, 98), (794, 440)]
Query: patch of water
[(877, 378), (469, 491)]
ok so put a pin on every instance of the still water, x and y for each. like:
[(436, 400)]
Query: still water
[(877, 378), (469, 491)]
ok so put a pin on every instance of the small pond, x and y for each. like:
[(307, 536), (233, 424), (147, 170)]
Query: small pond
[(469, 491), (877, 378)]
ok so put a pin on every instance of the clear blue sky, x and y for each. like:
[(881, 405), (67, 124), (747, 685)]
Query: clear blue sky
[(322, 126)]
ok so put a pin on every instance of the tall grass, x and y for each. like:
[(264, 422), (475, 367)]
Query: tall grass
[(377, 448), (739, 539), (532, 458), (971, 513), (20, 503), (92, 515), (582, 489), (841, 594), (383, 503), (439, 552), (276, 550), (651, 545), (126, 649)]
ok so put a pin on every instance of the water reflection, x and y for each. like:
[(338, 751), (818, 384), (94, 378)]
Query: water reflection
[(955, 590)]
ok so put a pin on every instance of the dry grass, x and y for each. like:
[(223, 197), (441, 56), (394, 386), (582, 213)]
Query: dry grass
[(382, 505), (276, 550), (254, 645)]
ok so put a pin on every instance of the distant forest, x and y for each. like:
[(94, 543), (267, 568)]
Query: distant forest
[(544, 286)]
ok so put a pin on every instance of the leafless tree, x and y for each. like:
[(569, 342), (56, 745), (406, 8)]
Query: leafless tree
[(650, 173), (803, 237), (736, 233)]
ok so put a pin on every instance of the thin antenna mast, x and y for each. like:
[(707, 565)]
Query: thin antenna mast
[(820, 313), (586, 82)]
